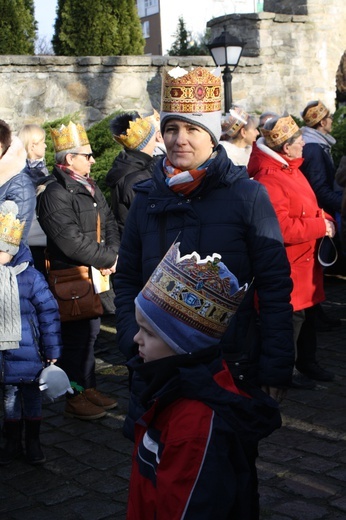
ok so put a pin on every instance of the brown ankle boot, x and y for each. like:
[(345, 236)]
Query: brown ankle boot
[(81, 408), (95, 397)]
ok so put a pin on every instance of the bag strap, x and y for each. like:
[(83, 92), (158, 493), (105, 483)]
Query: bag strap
[(98, 227)]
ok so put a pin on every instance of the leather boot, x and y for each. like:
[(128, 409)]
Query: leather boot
[(34, 453), (95, 397), (81, 408), (13, 449)]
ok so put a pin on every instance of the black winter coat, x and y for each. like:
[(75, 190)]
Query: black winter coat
[(128, 168), (227, 214), (67, 213)]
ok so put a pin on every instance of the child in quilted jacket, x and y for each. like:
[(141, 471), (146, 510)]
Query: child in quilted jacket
[(29, 339)]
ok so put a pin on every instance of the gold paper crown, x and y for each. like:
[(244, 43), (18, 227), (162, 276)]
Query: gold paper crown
[(11, 229), (236, 120), (137, 135), (68, 137), (315, 113), (198, 91), (203, 294), (284, 128)]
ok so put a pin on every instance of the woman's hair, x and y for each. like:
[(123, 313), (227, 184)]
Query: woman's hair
[(5, 136), (269, 125), (29, 134)]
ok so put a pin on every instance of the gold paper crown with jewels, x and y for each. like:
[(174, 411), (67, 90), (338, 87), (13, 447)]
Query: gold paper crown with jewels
[(67, 137), (197, 91), (11, 229), (284, 128), (315, 111)]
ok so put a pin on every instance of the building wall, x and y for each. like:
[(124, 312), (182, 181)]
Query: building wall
[(288, 60)]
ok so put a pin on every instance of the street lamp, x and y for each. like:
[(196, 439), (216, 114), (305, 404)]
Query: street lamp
[(226, 51)]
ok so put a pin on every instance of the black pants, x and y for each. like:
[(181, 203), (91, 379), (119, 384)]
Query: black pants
[(304, 326), (78, 360)]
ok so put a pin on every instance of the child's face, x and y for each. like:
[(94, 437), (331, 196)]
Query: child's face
[(5, 258), (38, 148), (151, 345)]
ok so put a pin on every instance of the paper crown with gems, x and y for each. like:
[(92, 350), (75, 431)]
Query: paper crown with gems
[(236, 120), (132, 132), (68, 137), (314, 112), (11, 229), (190, 302), (284, 128), (193, 96)]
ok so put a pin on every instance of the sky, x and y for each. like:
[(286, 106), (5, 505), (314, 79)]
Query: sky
[(45, 12)]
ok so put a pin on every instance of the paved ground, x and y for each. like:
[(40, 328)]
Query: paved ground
[(302, 467)]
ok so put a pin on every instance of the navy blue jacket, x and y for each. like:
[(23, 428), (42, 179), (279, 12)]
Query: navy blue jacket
[(41, 339), (227, 214), (319, 169)]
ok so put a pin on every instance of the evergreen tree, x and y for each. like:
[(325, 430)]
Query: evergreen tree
[(17, 27), (185, 45), (97, 28), (181, 43)]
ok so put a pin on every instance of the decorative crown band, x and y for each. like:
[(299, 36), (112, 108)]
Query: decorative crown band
[(236, 120), (11, 229), (68, 137), (315, 113), (138, 133), (203, 294), (198, 91), (284, 128)]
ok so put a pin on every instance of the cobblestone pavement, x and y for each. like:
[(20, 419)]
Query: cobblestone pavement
[(302, 466)]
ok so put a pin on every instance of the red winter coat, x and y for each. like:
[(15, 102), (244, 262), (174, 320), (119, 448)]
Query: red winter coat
[(301, 220)]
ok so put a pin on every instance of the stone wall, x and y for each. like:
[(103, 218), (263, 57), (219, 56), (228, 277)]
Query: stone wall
[(36, 89), (288, 60)]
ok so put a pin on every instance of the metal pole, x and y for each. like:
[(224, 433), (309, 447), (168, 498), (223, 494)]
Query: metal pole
[(227, 86)]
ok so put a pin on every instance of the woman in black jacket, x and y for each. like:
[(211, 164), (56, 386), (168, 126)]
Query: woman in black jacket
[(69, 205)]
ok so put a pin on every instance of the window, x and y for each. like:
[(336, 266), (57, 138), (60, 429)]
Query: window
[(146, 29)]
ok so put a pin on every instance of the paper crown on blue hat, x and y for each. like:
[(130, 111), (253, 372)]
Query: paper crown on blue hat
[(190, 301)]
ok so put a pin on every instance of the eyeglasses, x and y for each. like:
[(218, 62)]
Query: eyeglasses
[(88, 156)]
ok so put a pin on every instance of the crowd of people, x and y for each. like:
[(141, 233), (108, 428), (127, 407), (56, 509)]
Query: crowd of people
[(212, 245)]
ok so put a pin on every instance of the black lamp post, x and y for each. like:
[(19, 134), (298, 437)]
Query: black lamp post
[(226, 51)]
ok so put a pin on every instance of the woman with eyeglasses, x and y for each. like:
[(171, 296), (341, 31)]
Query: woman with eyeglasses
[(318, 166), (275, 162), (70, 206)]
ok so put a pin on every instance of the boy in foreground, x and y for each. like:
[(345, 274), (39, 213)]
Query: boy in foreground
[(189, 459)]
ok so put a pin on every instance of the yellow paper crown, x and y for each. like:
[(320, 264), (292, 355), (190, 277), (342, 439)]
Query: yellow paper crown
[(11, 229), (284, 128), (197, 91), (315, 113), (137, 135), (68, 137)]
